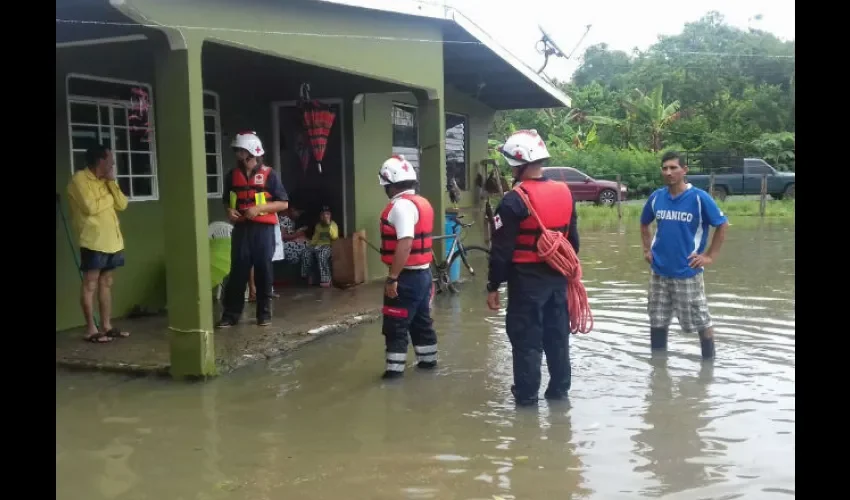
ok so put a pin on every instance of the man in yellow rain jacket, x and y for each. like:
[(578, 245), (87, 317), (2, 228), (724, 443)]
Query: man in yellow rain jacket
[(95, 199)]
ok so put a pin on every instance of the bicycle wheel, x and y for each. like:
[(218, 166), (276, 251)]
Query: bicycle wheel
[(465, 256), (440, 279)]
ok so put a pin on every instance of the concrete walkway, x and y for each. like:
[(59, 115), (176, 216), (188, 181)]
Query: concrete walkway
[(300, 316)]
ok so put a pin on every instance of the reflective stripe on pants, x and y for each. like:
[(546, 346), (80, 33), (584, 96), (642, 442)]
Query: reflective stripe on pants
[(409, 314)]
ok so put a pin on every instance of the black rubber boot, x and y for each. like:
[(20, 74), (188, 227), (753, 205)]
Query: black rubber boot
[(390, 375), (554, 395), (522, 402), (658, 339), (426, 365), (707, 345)]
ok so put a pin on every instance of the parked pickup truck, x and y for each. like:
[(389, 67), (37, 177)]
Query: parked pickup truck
[(746, 180)]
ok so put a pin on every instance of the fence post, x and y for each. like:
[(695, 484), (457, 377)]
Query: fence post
[(763, 204), (711, 184), (619, 195), (488, 222)]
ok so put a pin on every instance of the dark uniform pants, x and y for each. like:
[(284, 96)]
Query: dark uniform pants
[(538, 321), (252, 245), (410, 313)]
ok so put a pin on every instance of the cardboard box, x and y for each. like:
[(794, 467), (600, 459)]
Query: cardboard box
[(349, 260)]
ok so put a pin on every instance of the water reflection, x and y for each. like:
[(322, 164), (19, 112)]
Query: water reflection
[(320, 424), (670, 442), (212, 438)]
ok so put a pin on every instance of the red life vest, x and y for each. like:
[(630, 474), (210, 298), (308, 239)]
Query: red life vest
[(420, 252), (553, 202), (248, 193)]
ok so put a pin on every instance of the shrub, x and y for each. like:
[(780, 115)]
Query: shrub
[(640, 170)]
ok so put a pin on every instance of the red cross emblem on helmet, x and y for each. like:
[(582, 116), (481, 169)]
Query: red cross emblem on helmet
[(257, 149)]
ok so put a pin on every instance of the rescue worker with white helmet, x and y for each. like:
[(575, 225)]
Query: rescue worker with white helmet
[(407, 225), (537, 320), (253, 195)]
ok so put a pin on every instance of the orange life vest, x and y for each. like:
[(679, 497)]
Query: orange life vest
[(248, 193), (553, 202), (420, 252)]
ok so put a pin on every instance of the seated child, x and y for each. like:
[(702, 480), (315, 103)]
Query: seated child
[(325, 233)]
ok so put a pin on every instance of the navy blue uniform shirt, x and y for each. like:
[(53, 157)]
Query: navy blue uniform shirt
[(510, 212)]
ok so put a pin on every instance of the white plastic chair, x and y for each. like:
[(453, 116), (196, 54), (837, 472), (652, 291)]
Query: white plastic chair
[(220, 229)]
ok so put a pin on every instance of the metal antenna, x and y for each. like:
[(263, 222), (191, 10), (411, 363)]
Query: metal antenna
[(548, 47)]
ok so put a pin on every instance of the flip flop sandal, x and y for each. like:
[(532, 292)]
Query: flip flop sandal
[(100, 338), (116, 334)]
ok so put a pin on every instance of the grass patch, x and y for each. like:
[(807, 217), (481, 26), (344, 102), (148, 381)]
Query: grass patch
[(740, 212), (773, 208)]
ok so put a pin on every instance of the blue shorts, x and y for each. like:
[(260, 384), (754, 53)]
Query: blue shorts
[(92, 260)]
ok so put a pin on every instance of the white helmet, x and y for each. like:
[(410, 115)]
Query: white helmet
[(523, 147), (396, 169), (248, 141)]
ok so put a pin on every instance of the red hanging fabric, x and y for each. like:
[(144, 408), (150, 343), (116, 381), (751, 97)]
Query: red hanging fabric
[(318, 121)]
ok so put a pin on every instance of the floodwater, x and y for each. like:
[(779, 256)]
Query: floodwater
[(321, 425)]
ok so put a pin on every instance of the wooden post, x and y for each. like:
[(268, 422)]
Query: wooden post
[(711, 184), (481, 195), (504, 189), (488, 222), (763, 204), (619, 195)]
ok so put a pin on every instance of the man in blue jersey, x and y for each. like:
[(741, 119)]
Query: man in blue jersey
[(677, 254)]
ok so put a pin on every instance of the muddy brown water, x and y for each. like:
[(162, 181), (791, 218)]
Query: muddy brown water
[(320, 425)]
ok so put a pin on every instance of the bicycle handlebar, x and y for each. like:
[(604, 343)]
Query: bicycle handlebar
[(454, 234), (461, 224), (457, 222)]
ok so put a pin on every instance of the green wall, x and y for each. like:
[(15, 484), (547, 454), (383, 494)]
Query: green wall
[(480, 119), (403, 62), (141, 223), (372, 128), (368, 125)]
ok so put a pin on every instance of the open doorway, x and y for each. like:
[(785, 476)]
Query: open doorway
[(307, 186)]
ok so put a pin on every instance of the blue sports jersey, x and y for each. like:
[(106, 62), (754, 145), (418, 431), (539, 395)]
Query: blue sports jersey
[(682, 227)]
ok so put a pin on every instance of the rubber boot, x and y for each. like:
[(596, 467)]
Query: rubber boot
[(658, 339), (707, 345), (524, 402)]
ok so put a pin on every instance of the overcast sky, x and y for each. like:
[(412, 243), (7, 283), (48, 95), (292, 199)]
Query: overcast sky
[(622, 24)]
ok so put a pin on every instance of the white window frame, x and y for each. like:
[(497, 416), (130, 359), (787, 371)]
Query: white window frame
[(216, 115), (154, 196), (466, 141), (418, 133)]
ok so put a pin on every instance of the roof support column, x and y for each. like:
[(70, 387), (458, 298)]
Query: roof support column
[(182, 178), (432, 160)]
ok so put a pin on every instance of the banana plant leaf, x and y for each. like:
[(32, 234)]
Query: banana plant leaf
[(219, 260)]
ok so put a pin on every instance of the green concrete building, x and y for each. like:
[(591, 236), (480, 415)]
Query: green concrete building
[(167, 83)]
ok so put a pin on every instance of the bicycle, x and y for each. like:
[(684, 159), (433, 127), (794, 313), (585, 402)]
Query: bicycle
[(441, 273)]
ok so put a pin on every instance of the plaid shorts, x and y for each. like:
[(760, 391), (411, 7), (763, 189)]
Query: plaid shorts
[(683, 296)]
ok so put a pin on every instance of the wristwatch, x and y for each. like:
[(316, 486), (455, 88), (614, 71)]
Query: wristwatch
[(492, 287), (391, 280)]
